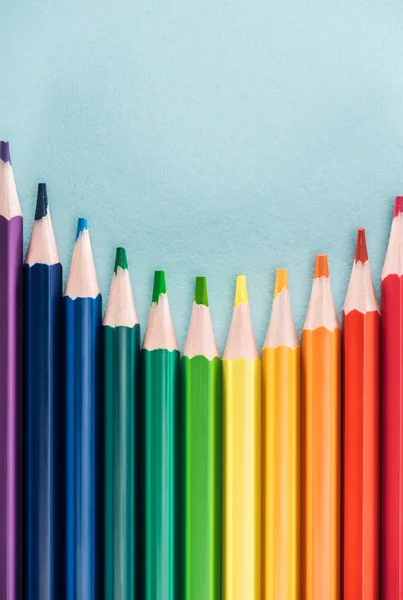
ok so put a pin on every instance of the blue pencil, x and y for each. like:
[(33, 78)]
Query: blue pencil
[(82, 305), (43, 516)]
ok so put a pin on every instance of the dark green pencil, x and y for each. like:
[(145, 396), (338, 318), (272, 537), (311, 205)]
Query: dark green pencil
[(121, 337)]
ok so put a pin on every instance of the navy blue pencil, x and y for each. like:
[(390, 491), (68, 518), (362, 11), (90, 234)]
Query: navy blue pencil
[(82, 306), (43, 513)]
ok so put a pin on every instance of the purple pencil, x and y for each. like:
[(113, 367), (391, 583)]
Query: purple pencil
[(10, 381)]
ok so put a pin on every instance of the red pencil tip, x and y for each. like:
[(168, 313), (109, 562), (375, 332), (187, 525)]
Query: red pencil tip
[(361, 252), (398, 206), (321, 266)]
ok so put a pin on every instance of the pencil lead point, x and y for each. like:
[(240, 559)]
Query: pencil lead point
[(121, 259), (5, 152), (82, 224), (398, 206), (361, 253), (160, 286), (281, 281), (41, 202), (321, 266), (201, 296), (241, 292)]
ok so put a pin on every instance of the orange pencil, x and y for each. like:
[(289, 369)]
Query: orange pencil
[(320, 552), (361, 356)]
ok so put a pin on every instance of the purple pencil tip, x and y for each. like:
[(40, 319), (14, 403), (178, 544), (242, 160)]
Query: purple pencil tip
[(5, 152)]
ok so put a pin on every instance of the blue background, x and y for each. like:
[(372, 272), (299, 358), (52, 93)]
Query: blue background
[(217, 137)]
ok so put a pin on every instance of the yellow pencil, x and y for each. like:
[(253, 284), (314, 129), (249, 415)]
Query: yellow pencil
[(242, 456), (281, 422)]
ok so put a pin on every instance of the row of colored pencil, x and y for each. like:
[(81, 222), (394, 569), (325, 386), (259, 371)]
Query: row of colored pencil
[(147, 475)]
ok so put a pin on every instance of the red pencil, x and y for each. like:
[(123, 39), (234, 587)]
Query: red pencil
[(361, 362), (392, 407)]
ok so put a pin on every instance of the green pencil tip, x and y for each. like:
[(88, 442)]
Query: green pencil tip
[(160, 286), (121, 259), (201, 296)]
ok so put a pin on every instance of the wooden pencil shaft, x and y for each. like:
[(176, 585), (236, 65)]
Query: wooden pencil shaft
[(121, 468), (43, 433), (281, 426), (201, 396), (321, 475), (241, 479), (161, 381), (361, 489), (83, 492)]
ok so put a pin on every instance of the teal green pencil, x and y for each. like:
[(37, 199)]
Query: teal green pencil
[(161, 381), (201, 393), (121, 353)]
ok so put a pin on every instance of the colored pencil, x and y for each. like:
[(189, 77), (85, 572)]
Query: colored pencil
[(392, 411), (361, 362), (161, 371), (281, 391), (82, 306), (201, 393), (121, 352), (321, 418), (242, 455), (43, 520), (11, 380)]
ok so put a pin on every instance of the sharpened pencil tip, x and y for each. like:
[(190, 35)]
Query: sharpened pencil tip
[(121, 259), (241, 292), (281, 281), (201, 296), (398, 206), (160, 286), (321, 266), (5, 152), (361, 253), (41, 202), (82, 224)]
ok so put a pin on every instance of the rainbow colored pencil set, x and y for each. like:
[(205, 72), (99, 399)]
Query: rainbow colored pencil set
[(133, 472)]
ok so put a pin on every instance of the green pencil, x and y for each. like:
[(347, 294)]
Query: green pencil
[(161, 372), (201, 390), (121, 337)]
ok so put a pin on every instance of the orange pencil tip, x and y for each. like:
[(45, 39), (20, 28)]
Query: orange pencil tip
[(321, 266), (398, 206), (361, 252), (281, 281)]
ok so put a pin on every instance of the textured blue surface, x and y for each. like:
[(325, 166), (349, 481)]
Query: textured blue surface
[(83, 331), (44, 421), (209, 137)]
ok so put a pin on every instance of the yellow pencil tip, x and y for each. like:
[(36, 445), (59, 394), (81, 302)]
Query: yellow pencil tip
[(241, 293), (281, 281)]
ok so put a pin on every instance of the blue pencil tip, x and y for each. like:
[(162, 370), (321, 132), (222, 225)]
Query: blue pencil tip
[(5, 152), (41, 202), (81, 225)]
